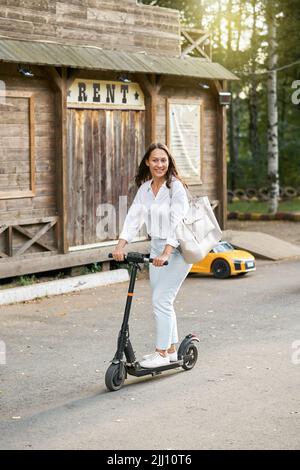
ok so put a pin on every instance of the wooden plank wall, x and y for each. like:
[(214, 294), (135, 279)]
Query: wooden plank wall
[(104, 148), (111, 24), (172, 88), (44, 203), (15, 146)]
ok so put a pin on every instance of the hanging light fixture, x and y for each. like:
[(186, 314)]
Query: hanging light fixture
[(25, 70), (204, 85), (124, 78)]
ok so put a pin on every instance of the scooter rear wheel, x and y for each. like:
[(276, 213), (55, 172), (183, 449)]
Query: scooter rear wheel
[(115, 377), (190, 357)]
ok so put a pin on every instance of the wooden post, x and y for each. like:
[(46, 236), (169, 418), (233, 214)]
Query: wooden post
[(150, 87), (222, 166), (64, 163), (9, 241), (153, 115), (221, 156), (60, 84)]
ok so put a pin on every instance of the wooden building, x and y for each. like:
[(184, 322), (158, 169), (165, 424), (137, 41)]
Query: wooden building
[(85, 86)]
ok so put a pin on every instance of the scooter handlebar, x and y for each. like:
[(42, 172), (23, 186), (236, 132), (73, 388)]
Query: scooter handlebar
[(137, 258), (151, 261)]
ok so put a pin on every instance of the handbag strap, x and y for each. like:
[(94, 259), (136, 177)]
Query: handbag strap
[(188, 193)]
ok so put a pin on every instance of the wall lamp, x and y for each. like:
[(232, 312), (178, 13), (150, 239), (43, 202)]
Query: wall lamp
[(25, 70), (224, 98), (124, 78), (204, 86)]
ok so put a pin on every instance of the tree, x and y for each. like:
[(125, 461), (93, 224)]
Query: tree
[(273, 166), (240, 31), (253, 95)]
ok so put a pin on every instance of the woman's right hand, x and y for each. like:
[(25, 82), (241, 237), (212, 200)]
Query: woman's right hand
[(118, 253)]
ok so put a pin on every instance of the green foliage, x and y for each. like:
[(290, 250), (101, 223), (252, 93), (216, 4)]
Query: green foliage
[(243, 49), (26, 280), (59, 275), (262, 207), (116, 265), (90, 269), (95, 267)]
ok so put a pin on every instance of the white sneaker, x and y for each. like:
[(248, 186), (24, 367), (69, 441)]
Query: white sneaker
[(148, 356), (155, 360), (172, 356)]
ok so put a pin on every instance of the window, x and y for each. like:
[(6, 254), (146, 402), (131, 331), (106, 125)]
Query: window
[(184, 137), (17, 159)]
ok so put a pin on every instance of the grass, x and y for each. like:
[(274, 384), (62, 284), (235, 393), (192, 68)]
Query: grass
[(26, 280), (90, 269), (95, 267), (262, 207)]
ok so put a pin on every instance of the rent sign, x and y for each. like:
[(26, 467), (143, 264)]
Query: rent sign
[(105, 94)]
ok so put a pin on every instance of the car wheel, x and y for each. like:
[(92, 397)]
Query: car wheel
[(221, 269)]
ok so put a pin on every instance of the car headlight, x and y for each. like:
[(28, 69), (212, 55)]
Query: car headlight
[(237, 264), (243, 260)]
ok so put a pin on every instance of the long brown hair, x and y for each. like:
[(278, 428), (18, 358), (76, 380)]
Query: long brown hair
[(144, 173)]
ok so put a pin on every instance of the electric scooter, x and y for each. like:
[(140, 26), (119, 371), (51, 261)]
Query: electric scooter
[(119, 368)]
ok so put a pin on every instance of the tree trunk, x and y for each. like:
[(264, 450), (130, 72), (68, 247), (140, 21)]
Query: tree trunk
[(239, 25), (273, 175), (219, 29), (253, 126), (230, 128), (234, 117), (253, 107), (234, 137), (232, 162)]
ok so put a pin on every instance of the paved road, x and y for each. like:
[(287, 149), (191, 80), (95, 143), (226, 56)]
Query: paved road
[(242, 394)]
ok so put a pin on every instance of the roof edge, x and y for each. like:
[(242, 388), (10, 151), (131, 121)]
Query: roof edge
[(96, 58)]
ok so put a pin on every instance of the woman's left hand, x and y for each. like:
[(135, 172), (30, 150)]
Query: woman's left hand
[(159, 260)]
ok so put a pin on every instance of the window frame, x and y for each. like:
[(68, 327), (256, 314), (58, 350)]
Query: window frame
[(14, 194), (193, 181)]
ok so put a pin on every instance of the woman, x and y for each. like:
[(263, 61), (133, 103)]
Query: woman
[(161, 202)]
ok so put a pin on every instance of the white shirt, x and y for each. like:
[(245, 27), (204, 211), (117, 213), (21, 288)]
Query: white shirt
[(161, 213)]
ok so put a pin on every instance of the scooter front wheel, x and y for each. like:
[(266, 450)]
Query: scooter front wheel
[(190, 356), (115, 376)]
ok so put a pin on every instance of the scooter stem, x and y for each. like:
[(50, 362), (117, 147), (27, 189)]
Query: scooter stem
[(129, 296), (123, 338)]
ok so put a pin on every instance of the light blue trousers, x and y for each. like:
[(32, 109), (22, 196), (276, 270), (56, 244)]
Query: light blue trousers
[(165, 283)]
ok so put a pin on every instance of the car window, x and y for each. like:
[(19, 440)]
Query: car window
[(223, 247)]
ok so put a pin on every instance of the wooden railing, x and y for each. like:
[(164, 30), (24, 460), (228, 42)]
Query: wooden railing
[(196, 40), (30, 237)]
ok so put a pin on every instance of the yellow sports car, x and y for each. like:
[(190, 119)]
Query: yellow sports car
[(224, 261)]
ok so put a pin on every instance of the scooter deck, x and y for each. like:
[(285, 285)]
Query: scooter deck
[(139, 371)]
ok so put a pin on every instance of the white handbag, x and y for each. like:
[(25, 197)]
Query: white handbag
[(199, 231)]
